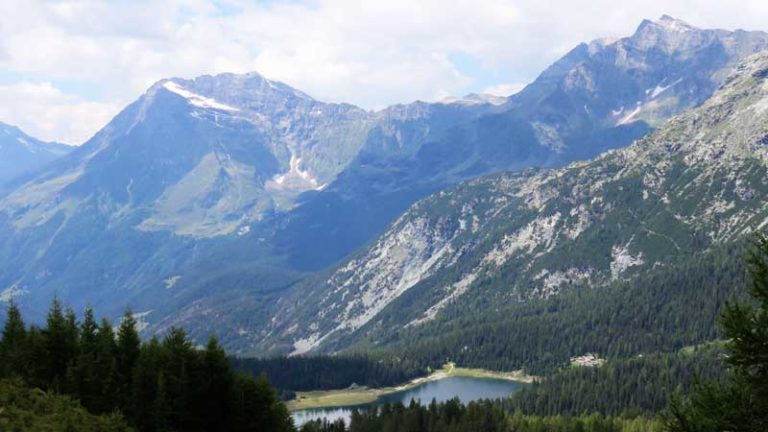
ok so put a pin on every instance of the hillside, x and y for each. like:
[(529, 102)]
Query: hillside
[(695, 186)]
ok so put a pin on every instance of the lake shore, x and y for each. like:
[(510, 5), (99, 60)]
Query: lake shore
[(364, 395)]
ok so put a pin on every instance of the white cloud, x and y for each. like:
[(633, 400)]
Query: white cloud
[(43, 111), (504, 89), (370, 53)]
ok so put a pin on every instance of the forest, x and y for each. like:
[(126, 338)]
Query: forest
[(116, 379), (641, 386), (664, 310)]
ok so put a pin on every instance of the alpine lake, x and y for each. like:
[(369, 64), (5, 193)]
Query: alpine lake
[(465, 384)]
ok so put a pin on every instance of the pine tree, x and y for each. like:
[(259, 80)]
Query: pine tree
[(13, 344), (215, 387), (86, 365), (178, 380), (145, 390), (72, 342), (106, 366), (161, 409), (128, 346), (59, 345)]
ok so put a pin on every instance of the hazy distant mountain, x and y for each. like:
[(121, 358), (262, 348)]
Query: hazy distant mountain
[(698, 183), (206, 201), (20, 153)]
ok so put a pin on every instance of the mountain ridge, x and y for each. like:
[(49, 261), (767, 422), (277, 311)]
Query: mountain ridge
[(213, 200), (692, 186), (21, 154)]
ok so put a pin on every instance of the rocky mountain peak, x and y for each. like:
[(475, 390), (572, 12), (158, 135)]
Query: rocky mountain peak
[(674, 24), (234, 92), (668, 33), (665, 24)]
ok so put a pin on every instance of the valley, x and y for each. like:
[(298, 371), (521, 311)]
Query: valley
[(585, 254)]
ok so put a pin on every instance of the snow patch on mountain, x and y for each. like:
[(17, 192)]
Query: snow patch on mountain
[(170, 282), (659, 89), (196, 99), (295, 177), (629, 118)]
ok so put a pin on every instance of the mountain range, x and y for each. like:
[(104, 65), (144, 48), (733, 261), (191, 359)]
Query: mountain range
[(699, 183), (21, 154), (238, 205)]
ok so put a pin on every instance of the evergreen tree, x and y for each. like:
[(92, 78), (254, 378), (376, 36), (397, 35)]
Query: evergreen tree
[(106, 368), (72, 335), (161, 410), (179, 380), (128, 346), (86, 365), (60, 345), (255, 406), (146, 391), (13, 345), (215, 385)]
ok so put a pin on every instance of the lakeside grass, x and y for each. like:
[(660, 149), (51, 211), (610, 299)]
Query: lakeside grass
[(363, 395)]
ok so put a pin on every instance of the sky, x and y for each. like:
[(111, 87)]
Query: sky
[(67, 67)]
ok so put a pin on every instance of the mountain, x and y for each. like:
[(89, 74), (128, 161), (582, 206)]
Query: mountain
[(218, 203), (21, 154), (601, 95), (696, 185), (190, 163)]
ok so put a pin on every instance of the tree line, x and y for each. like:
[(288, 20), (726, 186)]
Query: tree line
[(302, 373), (157, 385)]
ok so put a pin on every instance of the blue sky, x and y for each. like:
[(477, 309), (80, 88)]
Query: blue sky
[(68, 66)]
